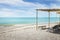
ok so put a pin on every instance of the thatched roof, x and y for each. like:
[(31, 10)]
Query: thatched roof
[(48, 9)]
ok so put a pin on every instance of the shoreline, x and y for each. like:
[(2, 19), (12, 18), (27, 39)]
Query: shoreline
[(24, 25)]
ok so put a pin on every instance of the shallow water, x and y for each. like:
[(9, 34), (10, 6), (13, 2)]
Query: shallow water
[(25, 20)]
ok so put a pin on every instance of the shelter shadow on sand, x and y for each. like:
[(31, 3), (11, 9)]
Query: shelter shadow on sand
[(55, 29)]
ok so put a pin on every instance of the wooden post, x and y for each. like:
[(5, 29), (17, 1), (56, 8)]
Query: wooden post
[(49, 18), (36, 19), (59, 19)]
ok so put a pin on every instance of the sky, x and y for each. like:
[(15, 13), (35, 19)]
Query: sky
[(26, 8)]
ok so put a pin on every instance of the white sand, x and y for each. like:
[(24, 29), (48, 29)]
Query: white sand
[(26, 33)]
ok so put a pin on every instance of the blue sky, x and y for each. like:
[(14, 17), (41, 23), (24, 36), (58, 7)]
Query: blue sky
[(47, 2), (26, 8)]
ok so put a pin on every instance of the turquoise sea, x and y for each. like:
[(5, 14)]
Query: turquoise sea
[(25, 20)]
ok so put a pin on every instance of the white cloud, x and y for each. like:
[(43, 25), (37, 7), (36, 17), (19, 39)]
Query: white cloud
[(30, 12), (55, 6), (9, 1), (5, 12), (22, 3), (15, 13)]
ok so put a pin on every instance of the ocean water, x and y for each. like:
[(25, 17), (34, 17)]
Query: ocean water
[(25, 20)]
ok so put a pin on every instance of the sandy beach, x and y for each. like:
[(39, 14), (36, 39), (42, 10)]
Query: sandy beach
[(26, 32)]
